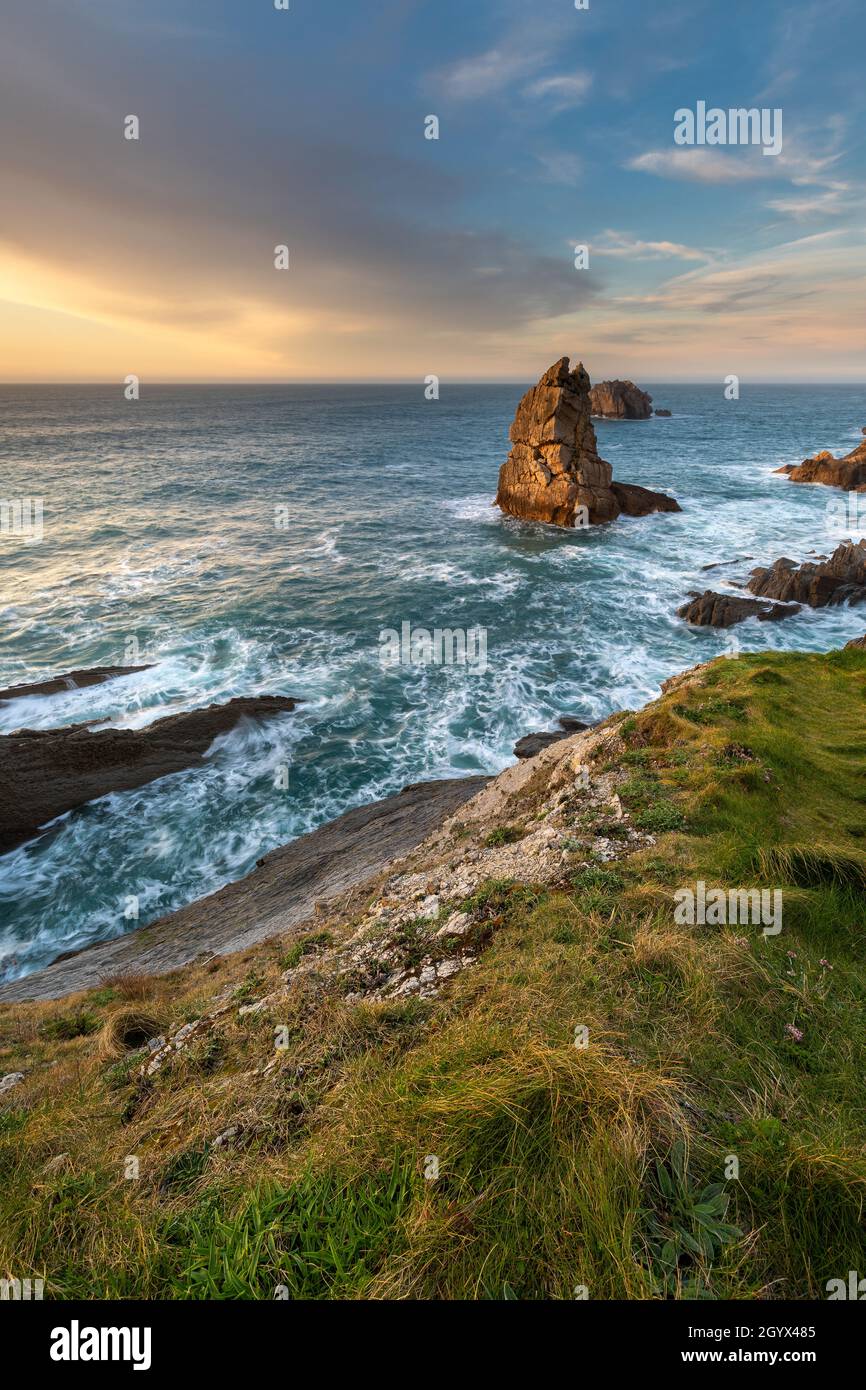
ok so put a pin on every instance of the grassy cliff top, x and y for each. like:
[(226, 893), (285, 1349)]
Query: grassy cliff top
[(510, 1070)]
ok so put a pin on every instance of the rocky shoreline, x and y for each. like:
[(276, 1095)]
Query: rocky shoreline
[(47, 772)]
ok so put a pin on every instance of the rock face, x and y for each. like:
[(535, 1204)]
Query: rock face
[(724, 610), (816, 583), (281, 891), (532, 744), (857, 642), (74, 680), (44, 773), (848, 472), (841, 579), (554, 472), (665, 413), (641, 501), (620, 400)]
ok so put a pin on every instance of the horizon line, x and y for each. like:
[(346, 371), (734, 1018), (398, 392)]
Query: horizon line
[(420, 381)]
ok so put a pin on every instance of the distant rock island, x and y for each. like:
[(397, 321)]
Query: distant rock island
[(554, 472), (848, 472), (620, 400)]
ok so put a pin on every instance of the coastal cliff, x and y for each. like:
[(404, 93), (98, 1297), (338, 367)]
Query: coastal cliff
[(496, 1057)]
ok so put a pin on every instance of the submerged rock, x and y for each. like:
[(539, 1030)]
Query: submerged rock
[(848, 472), (73, 680), (554, 473), (45, 772), (724, 610), (620, 400)]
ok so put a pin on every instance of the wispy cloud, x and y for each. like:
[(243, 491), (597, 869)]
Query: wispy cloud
[(561, 92), (701, 165), (618, 244)]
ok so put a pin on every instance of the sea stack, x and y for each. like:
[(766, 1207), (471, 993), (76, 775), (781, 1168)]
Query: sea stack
[(620, 400), (554, 473)]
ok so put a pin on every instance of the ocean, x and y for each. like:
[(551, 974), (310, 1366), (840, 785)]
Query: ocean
[(259, 539)]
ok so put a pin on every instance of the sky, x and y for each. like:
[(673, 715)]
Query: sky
[(411, 257)]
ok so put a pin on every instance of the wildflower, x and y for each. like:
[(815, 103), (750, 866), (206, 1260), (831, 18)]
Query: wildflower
[(795, 1033), (825, 964)]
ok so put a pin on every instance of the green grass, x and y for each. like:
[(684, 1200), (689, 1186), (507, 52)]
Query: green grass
[(708, 1141)]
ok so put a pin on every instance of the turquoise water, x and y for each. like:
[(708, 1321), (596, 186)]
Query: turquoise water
[(160, 544)]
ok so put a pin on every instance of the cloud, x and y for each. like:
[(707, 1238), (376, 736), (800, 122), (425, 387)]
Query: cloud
[(701, 165), (561, 93), (618, 244)]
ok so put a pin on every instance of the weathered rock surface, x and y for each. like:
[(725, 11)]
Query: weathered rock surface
[(857, 642), (73, 680), (554, 473), (45, 772), (841, 579), (283, 890), (641, 501), (666, 413), (532, 744), (724, 610), (620, 400), (848, 472)]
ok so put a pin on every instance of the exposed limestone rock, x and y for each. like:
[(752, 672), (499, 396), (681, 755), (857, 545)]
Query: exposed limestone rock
[(848, 472), (724, 610), (620, 400), (45, 772), (554, 473), (841, 579), (73, 680)]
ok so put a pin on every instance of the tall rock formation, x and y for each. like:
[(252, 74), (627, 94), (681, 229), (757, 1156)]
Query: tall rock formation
[(554, 472), (620, 400)]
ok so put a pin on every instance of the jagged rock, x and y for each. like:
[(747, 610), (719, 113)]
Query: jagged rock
[(641, 501), (848, 472), (531, 744), (856, 642), (841, 579), (45, 772), (554, 472), (666, 413), (724, 610), (620, 400), (12, 1078), (73, 680)]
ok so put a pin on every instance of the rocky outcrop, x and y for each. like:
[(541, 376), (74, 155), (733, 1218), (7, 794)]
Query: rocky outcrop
[(73, 680), (724, 610), (841, 579), (554, 473), (45, 772), (287, 886), (620, 400), (857, 642), (641, 501), (848, 472), (532, 744), (666, 413)]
